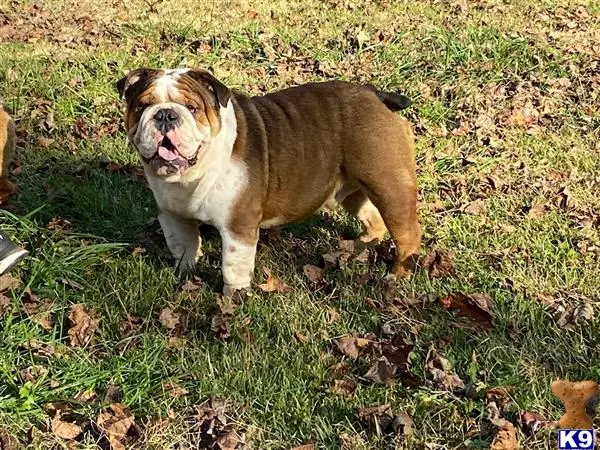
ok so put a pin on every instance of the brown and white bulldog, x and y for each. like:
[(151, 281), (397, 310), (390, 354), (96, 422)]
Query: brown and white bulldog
[(242, 163)]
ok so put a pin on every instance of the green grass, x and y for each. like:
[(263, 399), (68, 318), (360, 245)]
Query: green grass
[(473, 66)]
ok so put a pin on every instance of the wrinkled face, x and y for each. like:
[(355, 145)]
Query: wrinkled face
[(172, 115)]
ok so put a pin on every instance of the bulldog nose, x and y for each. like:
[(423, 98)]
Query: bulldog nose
[(166, 119)]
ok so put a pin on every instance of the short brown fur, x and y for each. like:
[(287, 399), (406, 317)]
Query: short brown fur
[(301, 143), (7, 150)]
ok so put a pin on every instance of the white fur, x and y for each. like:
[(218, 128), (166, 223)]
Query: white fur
[(237, 262), (207, 192)]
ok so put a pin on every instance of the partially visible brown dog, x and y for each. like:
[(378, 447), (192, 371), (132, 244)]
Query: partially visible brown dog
[(7, 150)]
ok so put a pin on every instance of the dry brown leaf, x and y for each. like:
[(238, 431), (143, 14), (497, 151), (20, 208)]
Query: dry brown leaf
[(345, 387), (273, 284), (442, 373), (537, 210), (304, 447), (5, 305), (354, 346), (83, 325), (476, 308), (175, 390), (220, 321), (115, 423), (439, 263), (64, 430), (7, 441), (381, 372), (38, 310), (382, 419), (192, 285), (215, 431), (340, 369), (313, 273), (8, 282), (169, 319), (475, 208), (501, 395), (532, 422), (506, 437), (44, 142)]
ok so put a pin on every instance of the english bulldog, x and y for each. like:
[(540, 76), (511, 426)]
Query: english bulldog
[(242, 163)]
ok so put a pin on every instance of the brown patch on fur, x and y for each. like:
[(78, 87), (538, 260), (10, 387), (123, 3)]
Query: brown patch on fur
[(7, 150), (306, 144), (194, 88)]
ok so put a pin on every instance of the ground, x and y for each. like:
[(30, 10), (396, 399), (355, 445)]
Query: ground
[(98, 332)]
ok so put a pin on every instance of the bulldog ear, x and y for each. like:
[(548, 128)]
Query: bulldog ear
[(221, 92), (131, 79)]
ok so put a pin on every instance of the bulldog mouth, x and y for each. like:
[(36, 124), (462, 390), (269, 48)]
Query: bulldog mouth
[(167, 159)]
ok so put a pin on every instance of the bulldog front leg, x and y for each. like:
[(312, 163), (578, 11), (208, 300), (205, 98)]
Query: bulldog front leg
[(183, 239), (239, 252)]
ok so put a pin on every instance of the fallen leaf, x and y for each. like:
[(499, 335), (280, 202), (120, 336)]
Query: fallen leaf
[(304, 447), (190, 285), (354, 346), (340, 369), (442, 373), (175, 390), (477, 308), (64, 430), (169, 319), (33, 373), (475, 208), (505, 438), (301, 337), (220, 321), (215, 431), (532, 422), (381, 419), (313, 273), (5, 307), (8, 282), (83, 325), (38, 310), (115, 423), (381, 372), (345, 387), (537, 210), (44, 141), (570, 310), (7, 441), (439, 263), (500, 395), (273, 284)]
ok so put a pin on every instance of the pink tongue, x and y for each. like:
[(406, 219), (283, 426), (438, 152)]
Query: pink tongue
[(167, 154)]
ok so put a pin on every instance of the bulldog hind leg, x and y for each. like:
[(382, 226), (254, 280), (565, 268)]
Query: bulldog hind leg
[(359, 205), (396, 200)]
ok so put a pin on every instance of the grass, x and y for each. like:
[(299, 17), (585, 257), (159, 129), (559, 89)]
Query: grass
[(481, 64)]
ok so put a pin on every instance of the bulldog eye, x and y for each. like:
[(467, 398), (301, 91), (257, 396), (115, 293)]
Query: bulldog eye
[(191, 108)]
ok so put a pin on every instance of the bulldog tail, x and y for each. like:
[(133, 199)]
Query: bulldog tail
[(393, 100)]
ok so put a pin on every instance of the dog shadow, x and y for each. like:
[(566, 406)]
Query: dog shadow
[(111, 202)]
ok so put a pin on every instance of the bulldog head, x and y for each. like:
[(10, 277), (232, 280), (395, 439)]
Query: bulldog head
[(172, 116)]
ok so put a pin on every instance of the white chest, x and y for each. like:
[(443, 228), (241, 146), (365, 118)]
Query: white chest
[(209, 199)]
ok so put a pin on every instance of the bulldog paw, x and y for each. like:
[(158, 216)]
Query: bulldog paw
[(229, 290)]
